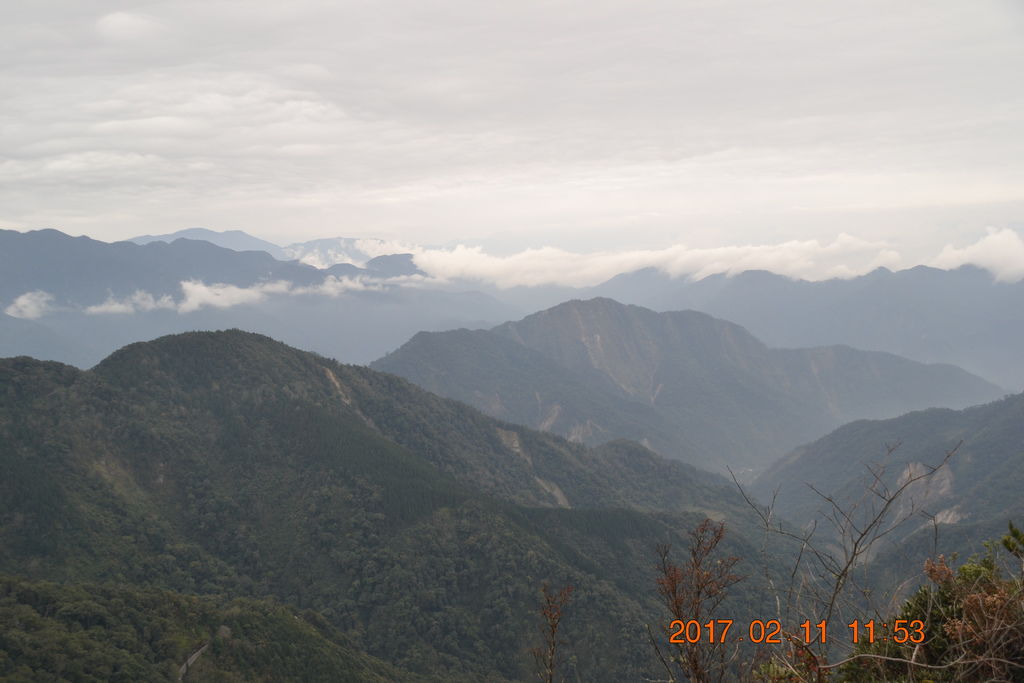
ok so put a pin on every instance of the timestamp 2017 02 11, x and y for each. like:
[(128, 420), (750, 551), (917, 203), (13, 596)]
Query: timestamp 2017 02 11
[(770, 631)]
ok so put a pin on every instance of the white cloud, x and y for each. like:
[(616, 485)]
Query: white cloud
[(336, 286), (1001, 252), (139, 301), (197, 295), (845, 256), (127, 27), (31, 305)]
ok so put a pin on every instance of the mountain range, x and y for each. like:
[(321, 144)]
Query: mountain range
[(236, 240), (688, 385), (319, 253), (964, 316)]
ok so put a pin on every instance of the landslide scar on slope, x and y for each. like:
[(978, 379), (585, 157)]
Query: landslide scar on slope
[(345, 398), (511, 441), (337, 385)]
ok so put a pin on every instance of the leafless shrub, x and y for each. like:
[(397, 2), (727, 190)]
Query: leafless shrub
[(552, 610), (693, 592)]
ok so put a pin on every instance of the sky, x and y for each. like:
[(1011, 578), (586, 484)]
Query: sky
[(525, 130)]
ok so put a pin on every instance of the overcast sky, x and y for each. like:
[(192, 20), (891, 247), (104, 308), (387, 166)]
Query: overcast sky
[(597, 125)]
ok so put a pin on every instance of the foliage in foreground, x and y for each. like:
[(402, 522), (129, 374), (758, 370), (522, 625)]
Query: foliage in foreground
[(88, 632), (965, 626), (973, 620)]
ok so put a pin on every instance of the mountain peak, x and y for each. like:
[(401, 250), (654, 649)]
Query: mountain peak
[(220, 358), (687, 383)]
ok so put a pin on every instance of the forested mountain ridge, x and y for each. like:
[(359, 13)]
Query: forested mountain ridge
[(503, 459), (689, 385), (114, 632), (509, 381), (968, 500), (229, 463)]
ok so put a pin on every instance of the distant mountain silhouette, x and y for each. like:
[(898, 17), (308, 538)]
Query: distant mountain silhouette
[(229, 239), (961, 316), (21, 337), (84, 271), (687, 384), (80, 295)]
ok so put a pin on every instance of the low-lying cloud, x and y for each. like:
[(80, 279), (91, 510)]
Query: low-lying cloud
[(139, 301), (31, 305), (846, 256), (1001, 252), (197, 295)]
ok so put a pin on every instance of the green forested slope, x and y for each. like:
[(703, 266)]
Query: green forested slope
[(104, 632), (509, 381), (969, 500), (230, 464)]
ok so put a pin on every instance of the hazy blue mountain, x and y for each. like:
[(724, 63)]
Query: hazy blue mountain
[(961, 316), (689, 385), (229, 239), (393, 265), (19, 337), (355, 327), (84, 272), (513, 382), (84, 291), (337, 256), (228, 464)]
